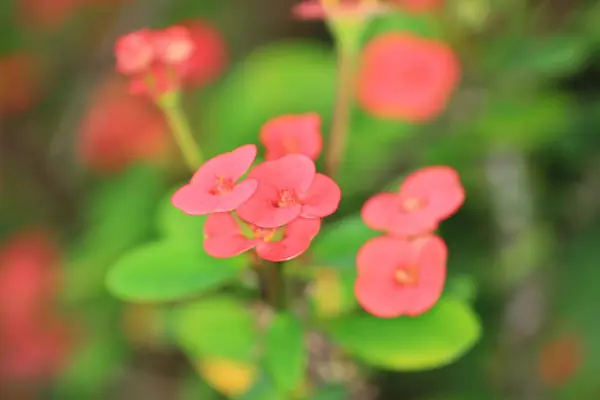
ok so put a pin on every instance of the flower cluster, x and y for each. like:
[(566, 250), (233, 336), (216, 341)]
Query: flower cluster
[(403, 272), (35, 340), (277, 209), (163, 61), (406, 77)]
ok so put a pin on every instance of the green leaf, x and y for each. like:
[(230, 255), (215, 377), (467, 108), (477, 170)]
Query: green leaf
[(285, 357), (422, 24), (264, 389), (174, 223), (119, 210), (429, 341), (331, 392), (217, 327), (337, 246), (168, 271), (286, 77)]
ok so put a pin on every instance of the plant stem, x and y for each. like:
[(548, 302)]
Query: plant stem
[(182, 133), (343, 104)]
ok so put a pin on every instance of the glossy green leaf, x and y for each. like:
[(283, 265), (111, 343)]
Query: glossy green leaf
[(217, 327), (286, 77), (264, 389), (338, 245), (431, 340), (174, 223), (285, 354), (168, 271)]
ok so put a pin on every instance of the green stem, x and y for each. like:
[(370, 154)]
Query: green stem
[(343, 106), (170, 104)]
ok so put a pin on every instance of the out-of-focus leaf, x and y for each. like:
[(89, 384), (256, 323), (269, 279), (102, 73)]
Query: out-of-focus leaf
[(194, 388), (524, 121), (282, 78), (461, 287), (218, 327), (545, 57), (168, 271), (232, 378), (174, 223), (264, 389), (120, 209), (338, 245), (422, 24), (331, 392), (285, 357), (431, 340), (332, 291)]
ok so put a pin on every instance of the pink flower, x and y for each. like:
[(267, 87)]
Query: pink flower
[(174, 45), (352, 9), (224, 238), (135, 52), (406, 77), (400, 277), (288, 188), (426, 197), (213, 187), (292, 134)]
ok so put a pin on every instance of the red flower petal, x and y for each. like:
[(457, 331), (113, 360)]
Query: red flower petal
[(407, 77), (292, 134), (440, 186), (212, 187), (293, 171), (134, 52), (232, 165), (223, 237), (322, 198), (261, 209), (209, 58), (297, 238), (173, 45), (377, 210), (380, 259), (288, 177)]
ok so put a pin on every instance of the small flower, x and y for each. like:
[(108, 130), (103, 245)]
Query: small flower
[(162, 61), (426, 197), (406, 77), (213, 187), (224, 238), (292, 134), (346, 9), (288, 188), (400, 277), (135, 52)]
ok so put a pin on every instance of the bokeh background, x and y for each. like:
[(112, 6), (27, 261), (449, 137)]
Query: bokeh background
[(83, 166)]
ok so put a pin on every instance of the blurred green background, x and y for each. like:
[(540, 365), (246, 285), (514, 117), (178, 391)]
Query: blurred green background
[(522, 130)]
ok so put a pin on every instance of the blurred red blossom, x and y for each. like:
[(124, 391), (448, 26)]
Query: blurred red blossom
[(406, 77), (120, 129), (224, 238), (560, 359), (288, 188), (34, 340), (20, 82), (47, 13), (292, 134), (400, 277), (166, 60), (213, 187), (425, 198), (352, 9)]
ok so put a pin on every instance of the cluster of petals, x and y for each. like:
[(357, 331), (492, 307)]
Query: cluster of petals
[(35, 340), (21, 82), (406, 77), (277, 208), (161, 61), (403, 272), (338, 9)]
